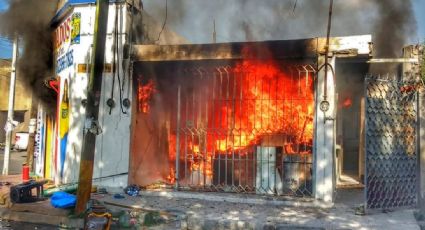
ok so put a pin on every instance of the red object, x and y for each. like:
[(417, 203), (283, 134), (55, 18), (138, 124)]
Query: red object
[(54, 84), (25, 173), (347, 103)]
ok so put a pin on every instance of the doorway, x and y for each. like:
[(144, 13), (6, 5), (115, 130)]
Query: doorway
[(349, 124)]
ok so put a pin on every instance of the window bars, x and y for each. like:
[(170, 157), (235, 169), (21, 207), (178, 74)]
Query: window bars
[(246, 129)]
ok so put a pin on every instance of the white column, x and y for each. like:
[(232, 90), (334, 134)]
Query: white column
[(324, 139)]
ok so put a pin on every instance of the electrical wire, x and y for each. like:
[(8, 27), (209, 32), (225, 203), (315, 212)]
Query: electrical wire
[(114, 58), (119, 85), (126, 70), (118, 72), (165, 20), (330, 66), (295, 6)]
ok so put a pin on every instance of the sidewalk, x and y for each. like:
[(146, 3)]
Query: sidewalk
[(233, 211), (192, 210)]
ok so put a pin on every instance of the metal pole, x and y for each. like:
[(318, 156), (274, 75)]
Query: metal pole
[(420, 150), (92, 109), (9, 125), (214, 34), (178, 138)]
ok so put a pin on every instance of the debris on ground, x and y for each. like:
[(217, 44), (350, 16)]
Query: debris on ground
[(70, 188), (158, 185), (102, 190), (95, 220), (23, 193), (63, 200), (132, 190), (118, 196)]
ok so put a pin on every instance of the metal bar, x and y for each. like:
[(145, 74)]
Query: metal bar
[(365, 144), (192, 128), (205, 126), (240, 129), (268, 170), (305, 172), (417, 150), (233, 128), (213, 129), (254, 169), (198, 128), (185, 155), (228, 132), (178, 137), (186, 144), (220, 98), (192, 157), (227, 127)]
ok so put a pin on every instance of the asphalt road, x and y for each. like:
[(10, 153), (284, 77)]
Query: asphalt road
[(17, 158)]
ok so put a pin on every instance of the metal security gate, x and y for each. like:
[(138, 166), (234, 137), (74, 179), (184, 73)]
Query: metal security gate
[(246, 129), (390, 143)]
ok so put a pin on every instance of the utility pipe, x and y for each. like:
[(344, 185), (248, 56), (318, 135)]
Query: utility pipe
[(9, 124)]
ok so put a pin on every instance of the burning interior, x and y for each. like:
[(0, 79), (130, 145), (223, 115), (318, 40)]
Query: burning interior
[(214, 123)]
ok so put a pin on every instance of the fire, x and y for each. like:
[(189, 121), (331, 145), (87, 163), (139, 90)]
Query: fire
[(277, 104), (270, 102), (200, 162), (172, 177), (347, 103), (145, 92)]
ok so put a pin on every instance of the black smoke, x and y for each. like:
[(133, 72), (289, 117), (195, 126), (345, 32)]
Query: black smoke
[(394, 26), (391, 22), (30, 21)]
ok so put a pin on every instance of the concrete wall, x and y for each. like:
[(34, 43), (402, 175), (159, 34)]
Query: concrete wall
[(22, 94), (324, 136), (3, 119), (111, 163), (112, 145)]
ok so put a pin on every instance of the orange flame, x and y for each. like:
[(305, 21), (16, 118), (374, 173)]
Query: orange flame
[(270, 103), (276, 104), (144, 94)]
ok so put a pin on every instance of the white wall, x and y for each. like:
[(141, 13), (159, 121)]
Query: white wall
[(112, 146)]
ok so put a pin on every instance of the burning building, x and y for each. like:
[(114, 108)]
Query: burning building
[(239, 117), (281, 117)]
